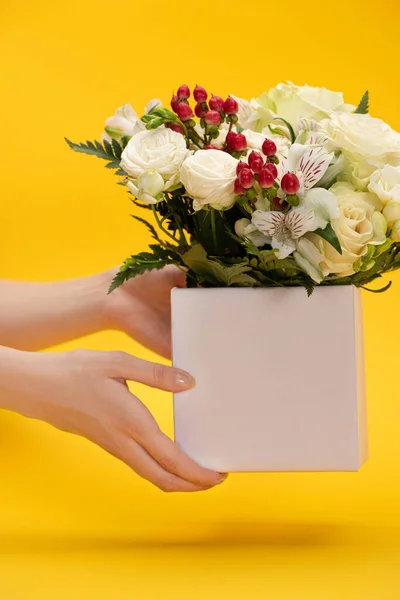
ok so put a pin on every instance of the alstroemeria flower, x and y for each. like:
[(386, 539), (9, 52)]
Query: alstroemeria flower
[(308, 163), (317, 208)]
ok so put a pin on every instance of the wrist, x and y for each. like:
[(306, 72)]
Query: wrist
[(15, 378)]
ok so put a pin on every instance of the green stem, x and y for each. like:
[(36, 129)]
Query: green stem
[(159, 223), (214, 229)]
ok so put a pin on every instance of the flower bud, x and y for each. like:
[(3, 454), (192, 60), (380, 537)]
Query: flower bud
[(216, 103), (241, 165), (199, 111), (240, 226), (391, 212), (174, 103), (290, 184), (379, 225), (213, 117), (269, 148), (184, 111), (239, 189), (256, 161), (368, 265), (230, 138), (265, 178), (395, 235), (183, 92), (231, 107), (175, 127), (239, 142), (279, 203), (386, 245), (246, 178), (200, 94), (272, 168), (150, 183)]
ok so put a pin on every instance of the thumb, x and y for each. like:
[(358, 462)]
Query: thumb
[(154, 375)]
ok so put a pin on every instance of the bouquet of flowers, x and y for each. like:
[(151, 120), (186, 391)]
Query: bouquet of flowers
[(294, 188)]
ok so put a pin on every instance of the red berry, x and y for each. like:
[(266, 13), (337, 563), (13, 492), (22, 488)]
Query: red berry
[(239, 143), (211, 147), (246, 178), (183, 92), (230, 138), (241, 165), (256, 162), (271, 167), (265, 178), (231, 107), (175, 127), (290, 184), (184, 111), (200, 94), (277, 203), (174, 102), (216, 103), (199, 111), (239, 189), (213, 117), (269, 148)]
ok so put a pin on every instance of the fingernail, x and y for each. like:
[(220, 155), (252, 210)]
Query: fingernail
[(222, 477), (184, 380)]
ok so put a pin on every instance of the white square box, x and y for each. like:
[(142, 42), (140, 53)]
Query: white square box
[(279, 378)]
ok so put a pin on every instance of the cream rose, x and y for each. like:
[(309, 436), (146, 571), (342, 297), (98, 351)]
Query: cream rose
[(157, 153), (208, 176), (385, 183), (365, 140), (293, 102), (357, 226)]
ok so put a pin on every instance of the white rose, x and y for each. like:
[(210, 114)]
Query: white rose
[(247, 115), (293, 102), (208, 176), (358, 225), (385, 183), (125, 123), (364, 139), (158, 151)]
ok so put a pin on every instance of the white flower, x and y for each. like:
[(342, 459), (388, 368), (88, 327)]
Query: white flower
[(364, 139), (240, 226), (310, 258), (391, 212), (283, 229), (308, 163), (149, 186), (208, 176), (160, 151), (151, 105), (385, 183), (395, 234), (292, 102), (255, 141), (222, 133), (247, 116), (357, 226), (125, 122)]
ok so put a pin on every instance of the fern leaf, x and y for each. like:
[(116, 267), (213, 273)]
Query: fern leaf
[(363, 107)]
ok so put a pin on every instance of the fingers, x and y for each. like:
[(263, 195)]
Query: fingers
[(144, 465), (173, 460), (154, 375)]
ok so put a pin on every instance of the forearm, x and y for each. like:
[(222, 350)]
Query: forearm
[(39, 315)]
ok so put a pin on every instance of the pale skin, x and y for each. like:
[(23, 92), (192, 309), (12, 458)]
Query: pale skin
[(84, 392)]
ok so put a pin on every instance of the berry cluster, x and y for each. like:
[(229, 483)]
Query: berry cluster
[(212, 113), (258, 170)]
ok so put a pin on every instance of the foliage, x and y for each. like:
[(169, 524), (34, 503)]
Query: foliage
[(363, 106)]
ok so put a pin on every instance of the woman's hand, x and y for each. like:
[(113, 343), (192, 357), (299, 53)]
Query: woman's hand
[(142, 308), (85, 393)]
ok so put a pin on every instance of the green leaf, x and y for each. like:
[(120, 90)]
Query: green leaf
[(117, 149), (143, 262), (288, 125), (215, 272), (329, 235), (149, 226), (363, 107), (96, 149), (379, 291)]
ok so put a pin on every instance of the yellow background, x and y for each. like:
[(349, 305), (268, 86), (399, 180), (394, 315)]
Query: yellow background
[(75, 523)]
